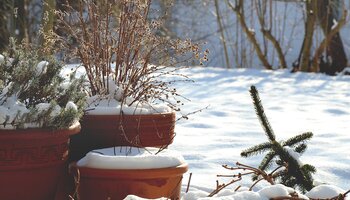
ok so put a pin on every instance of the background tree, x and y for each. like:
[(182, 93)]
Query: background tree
[(238, 8), (47, 22), (332, 17), (329, 56), (5, 6), (303, 62), (21, 20)]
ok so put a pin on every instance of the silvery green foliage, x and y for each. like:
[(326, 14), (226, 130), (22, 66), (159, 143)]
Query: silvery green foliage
[(33, 93)]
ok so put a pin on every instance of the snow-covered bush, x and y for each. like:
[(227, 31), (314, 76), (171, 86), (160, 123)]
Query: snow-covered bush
[(123, 53), (33, 93)]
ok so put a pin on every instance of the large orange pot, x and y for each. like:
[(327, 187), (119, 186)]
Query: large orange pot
[(33, 162), (116, 184), (103, 131)]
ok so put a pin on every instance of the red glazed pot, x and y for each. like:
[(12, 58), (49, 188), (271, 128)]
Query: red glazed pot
[(33, 162), (116, 184), (103, 131)]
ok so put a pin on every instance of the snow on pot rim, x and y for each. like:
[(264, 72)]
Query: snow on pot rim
[(128, 110), (125, 157), (134, 197), (114, 103)]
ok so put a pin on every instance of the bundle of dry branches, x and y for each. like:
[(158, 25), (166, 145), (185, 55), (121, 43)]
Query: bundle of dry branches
[(116, 41), (244, 170)]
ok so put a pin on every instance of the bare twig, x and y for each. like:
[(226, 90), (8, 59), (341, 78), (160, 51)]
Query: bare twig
[(219, 187), (189, 183)]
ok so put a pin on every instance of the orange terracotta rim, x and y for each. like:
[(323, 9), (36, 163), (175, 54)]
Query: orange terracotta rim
[(137, 115), (34, 133), (129, 173), (144, 116)]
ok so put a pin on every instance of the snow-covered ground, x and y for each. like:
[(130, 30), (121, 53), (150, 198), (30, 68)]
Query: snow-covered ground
[(294, 103)]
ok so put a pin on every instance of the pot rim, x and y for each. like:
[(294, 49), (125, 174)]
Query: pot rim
[(32, 133), (137, 115), (128, 173)]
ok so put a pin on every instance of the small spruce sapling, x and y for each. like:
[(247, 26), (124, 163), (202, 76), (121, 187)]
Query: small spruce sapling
[(294, 174)]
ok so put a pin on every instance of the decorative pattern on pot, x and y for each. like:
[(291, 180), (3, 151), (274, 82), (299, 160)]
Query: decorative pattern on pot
[(32, 162)]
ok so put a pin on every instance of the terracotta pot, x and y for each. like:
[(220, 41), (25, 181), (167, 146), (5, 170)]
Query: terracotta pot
[(115, 184), (32, 162), (103, 131)]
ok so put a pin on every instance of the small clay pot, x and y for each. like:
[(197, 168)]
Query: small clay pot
[(103, 131), (116, 184), (33, 162)]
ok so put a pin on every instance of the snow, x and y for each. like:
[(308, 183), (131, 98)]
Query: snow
[(133, 197), (131, 158), (41, 67), (12, 108), (263, 194), (2, 59), (294, 154), (335, 23), (110, 105), (3, 117), (71, 105), (324, 192), (42, 107), (274, 191), (9, 109), (293, 102)]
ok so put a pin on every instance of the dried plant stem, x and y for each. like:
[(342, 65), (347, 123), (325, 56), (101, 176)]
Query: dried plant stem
[(189, 183), (219, 187)]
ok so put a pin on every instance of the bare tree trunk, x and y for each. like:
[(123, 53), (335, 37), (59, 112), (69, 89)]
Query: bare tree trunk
[(239, 10), (4, 30), (22, 20), (332, 42), (335, 59), (221, 29), (311, 10), (268, 35)]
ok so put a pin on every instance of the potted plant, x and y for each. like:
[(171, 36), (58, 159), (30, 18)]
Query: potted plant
[(40, 110), (123, 54), (114, 173)]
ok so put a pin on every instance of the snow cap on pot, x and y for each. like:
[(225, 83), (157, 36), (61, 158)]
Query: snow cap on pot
[(33, 93), (124, 54)]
